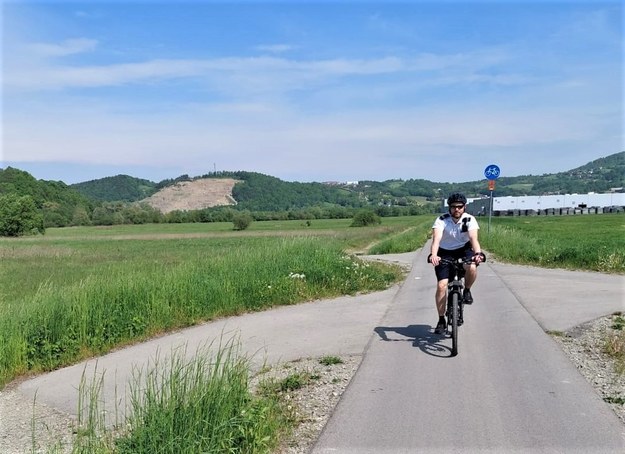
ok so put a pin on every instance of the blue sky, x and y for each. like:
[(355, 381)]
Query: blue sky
[(314, 91)]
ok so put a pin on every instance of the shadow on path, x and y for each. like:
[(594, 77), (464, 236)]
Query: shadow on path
[(421, 336)]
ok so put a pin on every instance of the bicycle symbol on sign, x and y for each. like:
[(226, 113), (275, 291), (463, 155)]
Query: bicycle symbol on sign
[(492, 172)]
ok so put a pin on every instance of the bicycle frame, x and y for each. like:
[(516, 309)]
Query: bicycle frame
[(456, 285), (456, 281)]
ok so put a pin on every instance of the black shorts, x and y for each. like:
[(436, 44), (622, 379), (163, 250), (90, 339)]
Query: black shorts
[(443, 271)]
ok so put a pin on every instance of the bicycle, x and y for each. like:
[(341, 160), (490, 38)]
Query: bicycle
[(455, 298)]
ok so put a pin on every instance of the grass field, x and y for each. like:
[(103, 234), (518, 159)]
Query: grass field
[(81, 291), (77, 292), (588, 242)]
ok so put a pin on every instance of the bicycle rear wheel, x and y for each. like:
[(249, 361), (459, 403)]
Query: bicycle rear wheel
[(455, 296)]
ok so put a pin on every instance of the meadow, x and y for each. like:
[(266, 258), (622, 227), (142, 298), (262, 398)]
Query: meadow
[(78, 292), (581, 242)]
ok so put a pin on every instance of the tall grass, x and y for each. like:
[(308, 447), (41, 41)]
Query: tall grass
[(590, 242), (406, 241), (182, 404), (614, 344), (62, 323)]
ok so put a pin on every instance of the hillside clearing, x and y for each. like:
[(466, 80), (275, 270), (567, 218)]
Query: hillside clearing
[(193, 195)]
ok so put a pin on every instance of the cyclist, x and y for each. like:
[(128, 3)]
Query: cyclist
[(454, 235)]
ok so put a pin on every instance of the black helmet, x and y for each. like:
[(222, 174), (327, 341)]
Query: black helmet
[(457, 197)]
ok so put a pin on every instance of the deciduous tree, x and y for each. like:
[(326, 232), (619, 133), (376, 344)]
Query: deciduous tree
[(19, 216)]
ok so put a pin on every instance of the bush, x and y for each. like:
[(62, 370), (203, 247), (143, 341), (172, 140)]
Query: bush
[(242, 221), (364, 218)]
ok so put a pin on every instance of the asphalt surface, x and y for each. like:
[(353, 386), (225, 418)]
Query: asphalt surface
[(510, 389)]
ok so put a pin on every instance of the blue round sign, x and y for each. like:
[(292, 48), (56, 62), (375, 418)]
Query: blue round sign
[(492, 172)]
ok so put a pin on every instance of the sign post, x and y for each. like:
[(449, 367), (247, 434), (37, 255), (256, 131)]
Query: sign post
[(491, 172)]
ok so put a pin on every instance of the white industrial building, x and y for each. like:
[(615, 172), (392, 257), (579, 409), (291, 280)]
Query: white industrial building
[(538, 203), (542, 202)]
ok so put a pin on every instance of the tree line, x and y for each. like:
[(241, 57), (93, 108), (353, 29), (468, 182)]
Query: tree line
[(30, 206), (117, 200)]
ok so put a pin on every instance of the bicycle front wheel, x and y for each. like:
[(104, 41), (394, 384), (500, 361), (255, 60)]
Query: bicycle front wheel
[(455, 297)]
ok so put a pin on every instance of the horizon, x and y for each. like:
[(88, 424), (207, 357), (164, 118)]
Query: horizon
[(200, 175), (408, 90)]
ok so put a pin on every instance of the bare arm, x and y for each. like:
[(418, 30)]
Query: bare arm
[(475, 245), (437, 234)]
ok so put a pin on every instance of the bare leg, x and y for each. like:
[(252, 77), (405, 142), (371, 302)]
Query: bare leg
[(441, 293), (470, 275)]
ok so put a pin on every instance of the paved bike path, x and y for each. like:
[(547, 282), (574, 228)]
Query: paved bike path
[(510, 389), (340, 326), (560, 299)]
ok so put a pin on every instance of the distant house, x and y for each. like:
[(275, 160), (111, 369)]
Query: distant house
[(341, 183), (469, 201)]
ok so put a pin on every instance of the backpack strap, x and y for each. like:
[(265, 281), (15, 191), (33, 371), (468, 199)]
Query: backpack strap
[(465, 226)]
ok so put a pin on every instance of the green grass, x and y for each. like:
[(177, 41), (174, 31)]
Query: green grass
[(410, 239), (185, 406), (615, 400), (330, 360), (614, 342), (207, 229), (618, 323), (65, 297), (521, 186), (589, 242)]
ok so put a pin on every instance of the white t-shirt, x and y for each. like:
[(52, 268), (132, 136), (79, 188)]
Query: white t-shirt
[(455, 235)]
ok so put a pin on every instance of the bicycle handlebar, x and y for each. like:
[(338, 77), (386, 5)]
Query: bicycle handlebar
[(461, 260)]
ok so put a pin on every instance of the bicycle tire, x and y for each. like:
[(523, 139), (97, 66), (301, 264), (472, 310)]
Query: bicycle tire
[(454, 323)]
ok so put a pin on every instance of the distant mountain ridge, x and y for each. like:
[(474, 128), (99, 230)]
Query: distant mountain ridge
[(600, 175), (123, 198)]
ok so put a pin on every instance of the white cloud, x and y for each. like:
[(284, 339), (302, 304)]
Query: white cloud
[(65, 48), (98, 133), (37, 70), (275, 48)]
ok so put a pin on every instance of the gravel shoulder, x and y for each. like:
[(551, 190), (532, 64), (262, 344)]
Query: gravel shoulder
[(314, 403), (585, 347)]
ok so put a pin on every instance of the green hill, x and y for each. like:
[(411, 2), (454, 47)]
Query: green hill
[(263, 192), (118, 188), (61, 205), (112, 200)]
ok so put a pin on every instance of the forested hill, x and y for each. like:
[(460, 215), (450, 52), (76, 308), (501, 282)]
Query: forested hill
[(257, 190), (59, 203), (103, 199), (600, 175), (118, 188)]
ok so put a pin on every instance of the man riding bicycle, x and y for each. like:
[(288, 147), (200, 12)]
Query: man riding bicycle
[(454, 236)]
